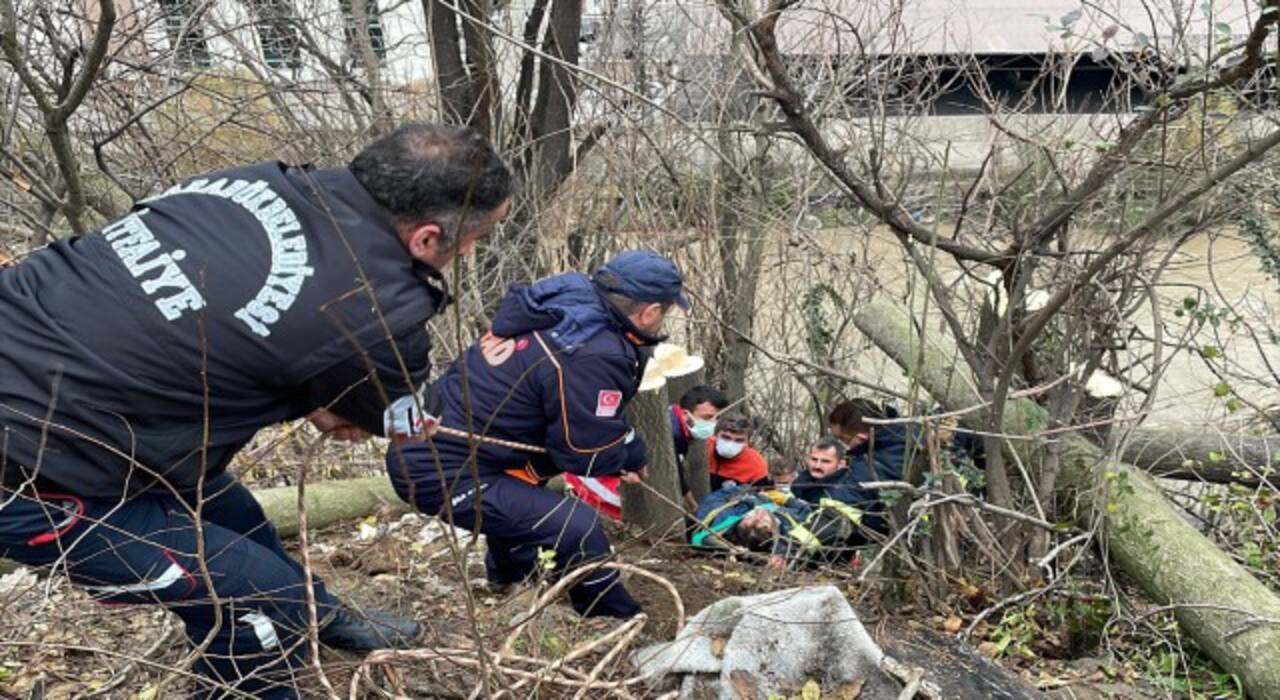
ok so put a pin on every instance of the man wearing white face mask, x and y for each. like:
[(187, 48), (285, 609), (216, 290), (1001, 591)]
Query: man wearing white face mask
[(694, 417), (730, 456)]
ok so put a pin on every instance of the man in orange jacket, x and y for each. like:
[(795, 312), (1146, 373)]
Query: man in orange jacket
[(730, 456)]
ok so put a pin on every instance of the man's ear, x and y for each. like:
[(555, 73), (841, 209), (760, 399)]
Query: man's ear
[(421, 239), (650, 312)]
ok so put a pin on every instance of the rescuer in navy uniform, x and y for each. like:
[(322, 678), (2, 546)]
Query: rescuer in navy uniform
[(136, 361), (556, 370)]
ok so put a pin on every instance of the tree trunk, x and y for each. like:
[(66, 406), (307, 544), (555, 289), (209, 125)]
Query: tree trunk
[(678, 385), (522, 115), (739, 236), (328, 502), (481, 66), (551, 154), (384, 120), (452, 81), (1200, 455), (1231, 615), (697, 472), (655, 505), (542, 143)]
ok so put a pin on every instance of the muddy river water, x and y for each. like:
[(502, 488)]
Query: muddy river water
[(1222, 269)]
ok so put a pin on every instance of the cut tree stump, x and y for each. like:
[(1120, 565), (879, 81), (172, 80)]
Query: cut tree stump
[(678, 384), (697, 470), (654, 506)]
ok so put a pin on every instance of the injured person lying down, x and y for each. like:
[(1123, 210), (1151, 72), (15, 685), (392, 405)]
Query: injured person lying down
[(793, 531)]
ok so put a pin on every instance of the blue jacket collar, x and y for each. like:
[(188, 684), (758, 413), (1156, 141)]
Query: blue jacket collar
[(569, 307)]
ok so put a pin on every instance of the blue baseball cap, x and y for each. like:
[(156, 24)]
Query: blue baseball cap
[(644, 276)]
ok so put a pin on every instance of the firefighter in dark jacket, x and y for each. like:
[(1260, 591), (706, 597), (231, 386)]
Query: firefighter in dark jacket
[(555, 372), (876, 452), (136, 361)]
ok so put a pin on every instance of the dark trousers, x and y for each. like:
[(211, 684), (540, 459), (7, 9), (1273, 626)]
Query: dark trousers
[(143, 551), (519, 520)]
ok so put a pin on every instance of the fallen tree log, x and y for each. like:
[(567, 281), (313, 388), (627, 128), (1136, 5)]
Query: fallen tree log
[(1195, 454), (328, 502), (1232, 617)]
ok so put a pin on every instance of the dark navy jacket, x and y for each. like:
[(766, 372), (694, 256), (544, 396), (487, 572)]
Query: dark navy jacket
[(556, 370), (883, 458), (248, 284), (841, 485)]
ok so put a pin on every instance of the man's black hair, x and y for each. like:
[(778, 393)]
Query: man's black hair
[(734, 423), (827, 442), (851, 415), (753, 538), (422, 170), (703, 393)]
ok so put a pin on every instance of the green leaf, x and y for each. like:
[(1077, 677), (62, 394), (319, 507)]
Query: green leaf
[(1209, 352), (1222, 389), (1189, 303), (547, 559), (1234, 404), (1217, 457)]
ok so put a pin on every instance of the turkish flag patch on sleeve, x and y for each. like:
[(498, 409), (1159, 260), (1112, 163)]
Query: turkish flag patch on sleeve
[(607, 403)]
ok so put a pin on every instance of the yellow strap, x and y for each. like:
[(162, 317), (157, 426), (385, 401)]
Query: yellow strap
[(807, 540), (853, 514), (778, 497)]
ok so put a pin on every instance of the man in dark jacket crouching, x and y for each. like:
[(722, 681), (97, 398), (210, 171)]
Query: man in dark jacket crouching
[(544, 392), (137, 360)]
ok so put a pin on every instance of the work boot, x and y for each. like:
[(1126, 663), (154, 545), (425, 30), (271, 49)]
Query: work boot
[(367, 630)]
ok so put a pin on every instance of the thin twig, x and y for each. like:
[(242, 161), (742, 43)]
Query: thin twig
[(632, 627), (313, 624), (910, 675)]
